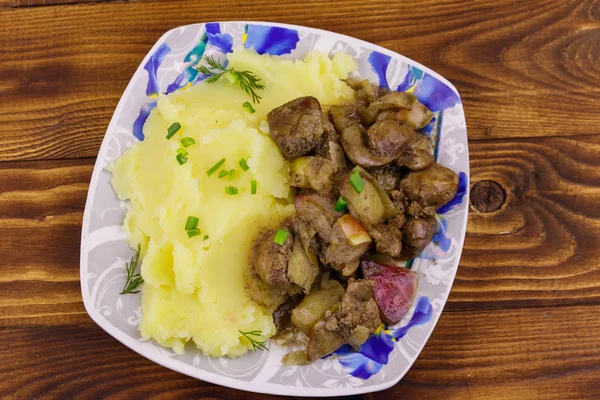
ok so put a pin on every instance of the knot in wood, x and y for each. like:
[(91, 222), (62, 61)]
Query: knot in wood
[(487, 196)]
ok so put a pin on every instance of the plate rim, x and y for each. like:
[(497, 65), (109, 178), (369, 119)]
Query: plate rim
[(214, 378)]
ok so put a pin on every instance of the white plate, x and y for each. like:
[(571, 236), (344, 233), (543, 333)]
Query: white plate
[(170, 65)]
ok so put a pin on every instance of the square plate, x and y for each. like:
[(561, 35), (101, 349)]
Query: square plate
[(388, 354)]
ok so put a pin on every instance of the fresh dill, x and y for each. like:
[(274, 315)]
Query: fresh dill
[(257, 344), (249, 83), (134, 280)]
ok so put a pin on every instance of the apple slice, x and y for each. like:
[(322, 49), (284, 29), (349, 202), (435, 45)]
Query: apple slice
[(353, 230)]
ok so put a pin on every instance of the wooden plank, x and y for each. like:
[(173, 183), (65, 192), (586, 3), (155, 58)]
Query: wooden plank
[(539, 249), (548, 353), (41, 205), (508, 354), (541, 246), (524, 69), (41, 3)]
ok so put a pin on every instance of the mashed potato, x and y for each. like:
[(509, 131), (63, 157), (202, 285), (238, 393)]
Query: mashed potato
[(193, 286)]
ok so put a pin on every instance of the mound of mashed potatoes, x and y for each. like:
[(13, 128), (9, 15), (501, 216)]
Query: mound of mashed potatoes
[(193, 288)]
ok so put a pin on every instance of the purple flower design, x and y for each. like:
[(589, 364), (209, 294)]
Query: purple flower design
[(272, 40), (221, 41), (193, 58), (440, 243), (357, 364), (152, 89), (436, 95), (374, 353), (430, 127), (379, 64), (139, 122), (458, 197), (440, 238), (151, 66), (410, 79)]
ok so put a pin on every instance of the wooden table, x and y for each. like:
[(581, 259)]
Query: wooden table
[(523, 318)]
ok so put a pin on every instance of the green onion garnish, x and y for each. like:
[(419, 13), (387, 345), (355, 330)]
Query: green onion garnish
[(231, 174), (215, 167), (231, 78), (223, 173), (249, 107), (181, 159), (182, 151), (205, 237), (341, 204), (356, 181), (231, 190), (191, 223), (244, 165), (193, 232), (173, 129), (252, 187), (281, 236), (187, 141)]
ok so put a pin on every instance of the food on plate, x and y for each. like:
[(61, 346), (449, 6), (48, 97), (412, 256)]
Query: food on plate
[(279, 188), (367, 190), (203, 185), (395, 289), (354, 320)]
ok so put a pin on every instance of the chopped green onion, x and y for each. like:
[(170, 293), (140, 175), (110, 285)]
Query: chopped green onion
[(173, 129), (281, 236), (215, 167), (231, 190), (191, 223), (231, 174), (231, 77), (193, 232), (187, 141), (253, 187), (205, 237), (356, 181), (182, 151), (341, 204), (244, 165), (181, 159), (249, 107), (223, 173)]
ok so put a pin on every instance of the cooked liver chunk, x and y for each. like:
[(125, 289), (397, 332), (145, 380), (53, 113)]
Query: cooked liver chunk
[(296, 126)]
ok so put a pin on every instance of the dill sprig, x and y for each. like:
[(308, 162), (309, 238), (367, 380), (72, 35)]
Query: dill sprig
[(249, 83), (134, 280), (257, 344)]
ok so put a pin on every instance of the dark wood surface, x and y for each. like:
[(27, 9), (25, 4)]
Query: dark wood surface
[(523, 318)]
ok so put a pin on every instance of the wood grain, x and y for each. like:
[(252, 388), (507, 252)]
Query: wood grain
[(541, 246), (41, 206), (508, 354), (41, 3), (516, 64), (522, 319)]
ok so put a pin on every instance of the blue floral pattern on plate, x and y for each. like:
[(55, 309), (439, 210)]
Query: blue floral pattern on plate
[(430, 91), (272, 40), (188, 76), (379, 63), (220, 41)]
